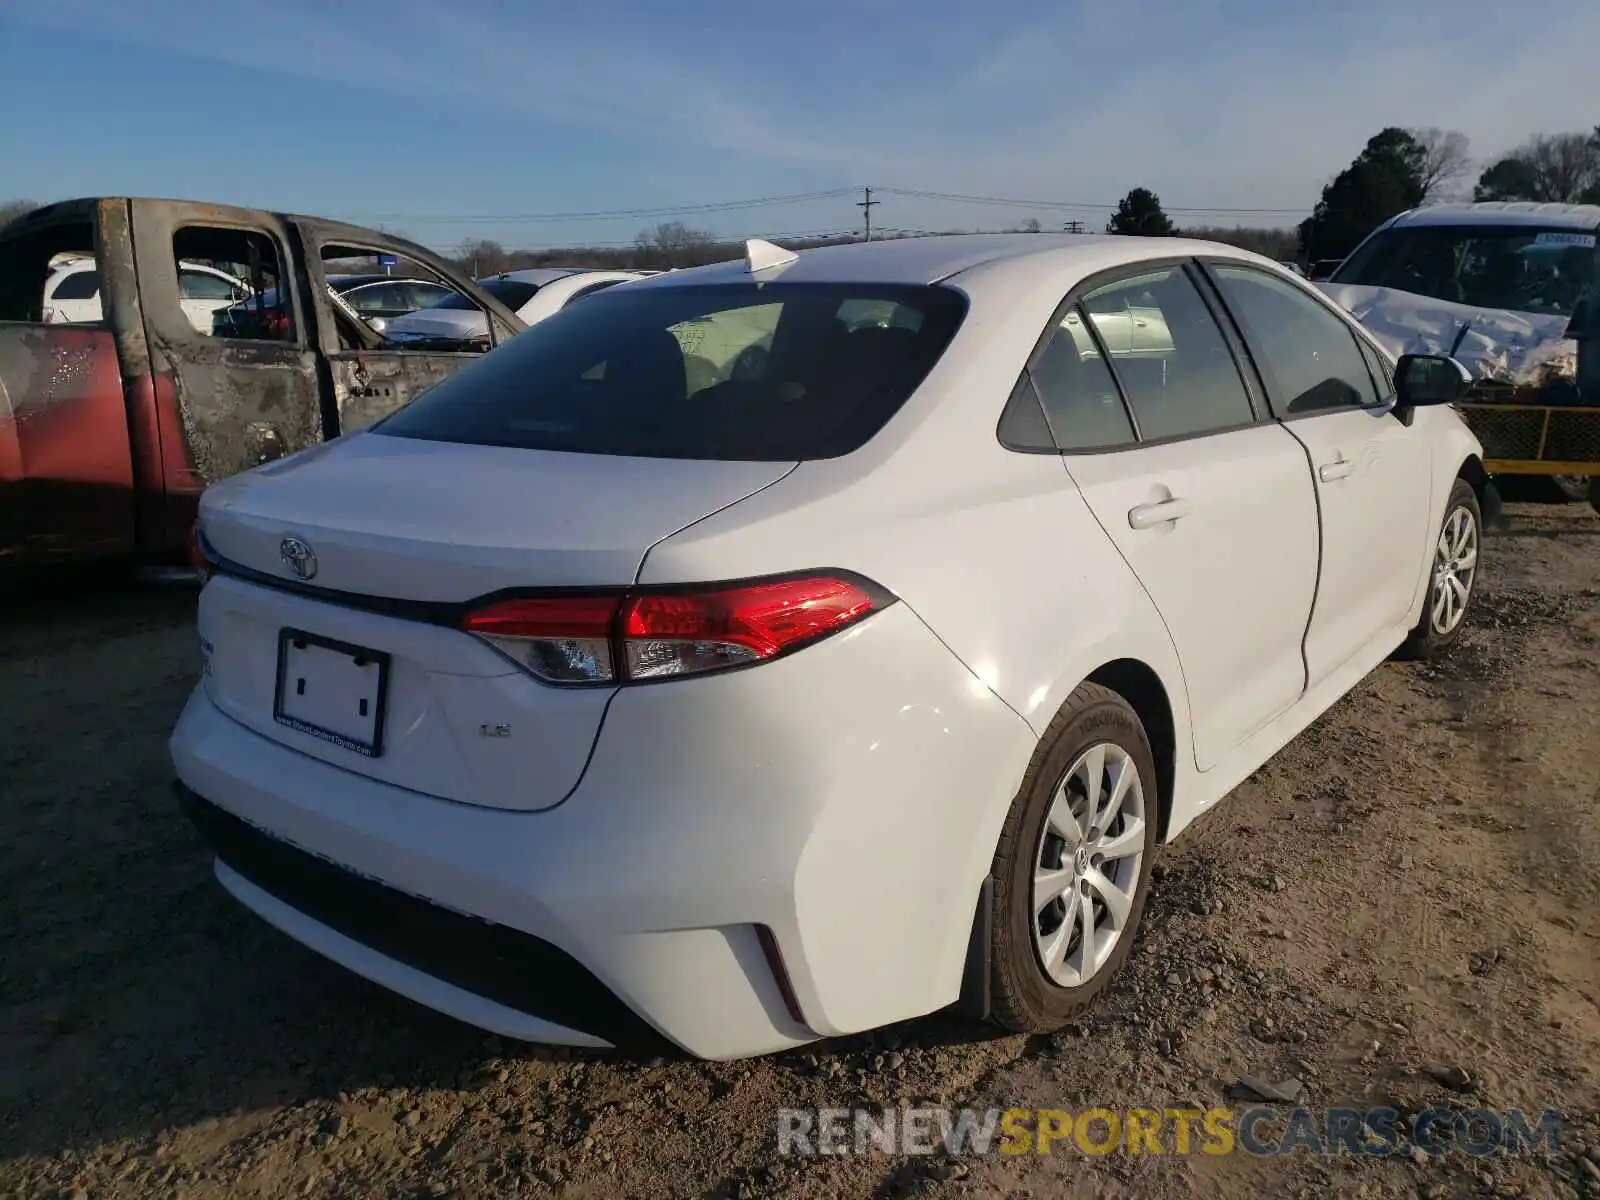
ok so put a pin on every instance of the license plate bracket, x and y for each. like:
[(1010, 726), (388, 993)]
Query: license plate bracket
[(332, 690)]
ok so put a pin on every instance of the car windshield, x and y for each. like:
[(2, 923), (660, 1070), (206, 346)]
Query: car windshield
[(1516, 267), (772, 372), (510, 292)]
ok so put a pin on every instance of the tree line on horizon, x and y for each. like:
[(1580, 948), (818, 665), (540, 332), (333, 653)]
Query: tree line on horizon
[(1396, 170), (1400, 169)]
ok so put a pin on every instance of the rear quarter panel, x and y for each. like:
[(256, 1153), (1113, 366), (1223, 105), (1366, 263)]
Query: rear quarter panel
[(66, 471), (995, 551)]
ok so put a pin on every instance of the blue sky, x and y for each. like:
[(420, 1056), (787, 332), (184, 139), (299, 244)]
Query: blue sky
[(402, 112)]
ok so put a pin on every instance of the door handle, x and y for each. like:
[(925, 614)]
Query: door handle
[(1146, 516), (1329, 472)]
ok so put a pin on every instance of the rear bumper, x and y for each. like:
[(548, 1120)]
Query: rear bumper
[(845, 819), (310, 898)]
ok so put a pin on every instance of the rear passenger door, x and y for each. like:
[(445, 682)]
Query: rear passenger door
[(1210, 504), (232, 395), (1373, 474)]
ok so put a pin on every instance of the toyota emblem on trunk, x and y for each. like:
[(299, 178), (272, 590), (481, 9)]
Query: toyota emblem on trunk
[(298, 557)]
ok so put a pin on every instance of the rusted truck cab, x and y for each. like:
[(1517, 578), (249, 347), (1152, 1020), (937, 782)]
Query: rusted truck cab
[(219, 342)]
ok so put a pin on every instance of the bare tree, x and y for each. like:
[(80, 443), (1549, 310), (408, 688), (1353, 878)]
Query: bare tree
[(1274, 243), (1031, 225), (674, 244), (1445, 159), (483, 257), (1562, 168), (675, 235)]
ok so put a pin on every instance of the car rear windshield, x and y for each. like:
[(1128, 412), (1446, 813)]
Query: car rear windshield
[(773, 372), (1517, 267), (508, 291)]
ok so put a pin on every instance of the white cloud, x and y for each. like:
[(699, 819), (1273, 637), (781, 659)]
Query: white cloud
[(1205, 109)]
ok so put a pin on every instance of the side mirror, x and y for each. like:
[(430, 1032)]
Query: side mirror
[(1421, 380)]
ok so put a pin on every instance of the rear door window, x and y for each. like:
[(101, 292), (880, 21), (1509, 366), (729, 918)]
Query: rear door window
[(1169, 355), (239, 309), (1077, 390), (730, 371)]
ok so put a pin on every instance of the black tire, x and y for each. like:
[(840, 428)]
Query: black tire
[(1427, 640), (1573, 487), (1024, 998)]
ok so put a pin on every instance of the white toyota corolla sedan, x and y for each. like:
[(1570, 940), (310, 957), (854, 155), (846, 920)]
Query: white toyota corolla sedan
[(782, 648)]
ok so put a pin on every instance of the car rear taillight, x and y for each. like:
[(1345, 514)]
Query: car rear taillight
[(661, 633), (560, 639)]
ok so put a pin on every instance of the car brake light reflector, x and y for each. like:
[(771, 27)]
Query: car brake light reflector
[(560, 639), (660, 633)]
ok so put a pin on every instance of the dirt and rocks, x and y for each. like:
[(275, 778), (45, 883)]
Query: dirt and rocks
[(1402, 908)]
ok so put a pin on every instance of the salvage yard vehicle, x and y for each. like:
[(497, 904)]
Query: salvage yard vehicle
[(533, 295), (1513, 291), (72, 293), (111, 426), (597, 700), (375, 299)]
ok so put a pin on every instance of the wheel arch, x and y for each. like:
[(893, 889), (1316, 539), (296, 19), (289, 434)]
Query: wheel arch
[(1139, 684), (1472, 472)]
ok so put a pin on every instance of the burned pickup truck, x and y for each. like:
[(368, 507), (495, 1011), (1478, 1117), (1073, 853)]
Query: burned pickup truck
[(199, 340), (1512, 292)]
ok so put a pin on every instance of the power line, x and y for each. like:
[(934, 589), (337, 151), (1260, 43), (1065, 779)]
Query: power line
[(586, 244), (717, 206), (1012, 202), (616, 213)]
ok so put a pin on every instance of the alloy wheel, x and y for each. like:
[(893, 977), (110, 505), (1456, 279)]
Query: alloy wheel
[(1455, 565), (1087, 864)]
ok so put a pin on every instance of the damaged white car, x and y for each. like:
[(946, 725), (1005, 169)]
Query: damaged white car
[(1510, 290)]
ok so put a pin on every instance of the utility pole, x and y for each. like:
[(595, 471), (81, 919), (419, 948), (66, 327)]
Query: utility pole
[(866, 205), (1072, 227)]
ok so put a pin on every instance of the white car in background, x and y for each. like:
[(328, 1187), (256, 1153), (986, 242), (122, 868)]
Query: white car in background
[(72, 293), (533, 295), (594, 700)]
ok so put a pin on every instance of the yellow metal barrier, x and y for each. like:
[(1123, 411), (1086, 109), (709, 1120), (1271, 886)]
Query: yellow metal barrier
[(1524, 438)]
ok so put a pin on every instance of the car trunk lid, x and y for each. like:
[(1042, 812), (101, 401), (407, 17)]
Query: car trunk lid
[(358, 659), (404, 519)]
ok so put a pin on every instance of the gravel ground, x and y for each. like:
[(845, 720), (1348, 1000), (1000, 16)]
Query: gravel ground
[(1402, 907)]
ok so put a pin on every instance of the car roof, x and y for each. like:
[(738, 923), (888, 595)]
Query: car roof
[(354, 281), (934, 258), (600, 275), (1585, 217), (536, 275)]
